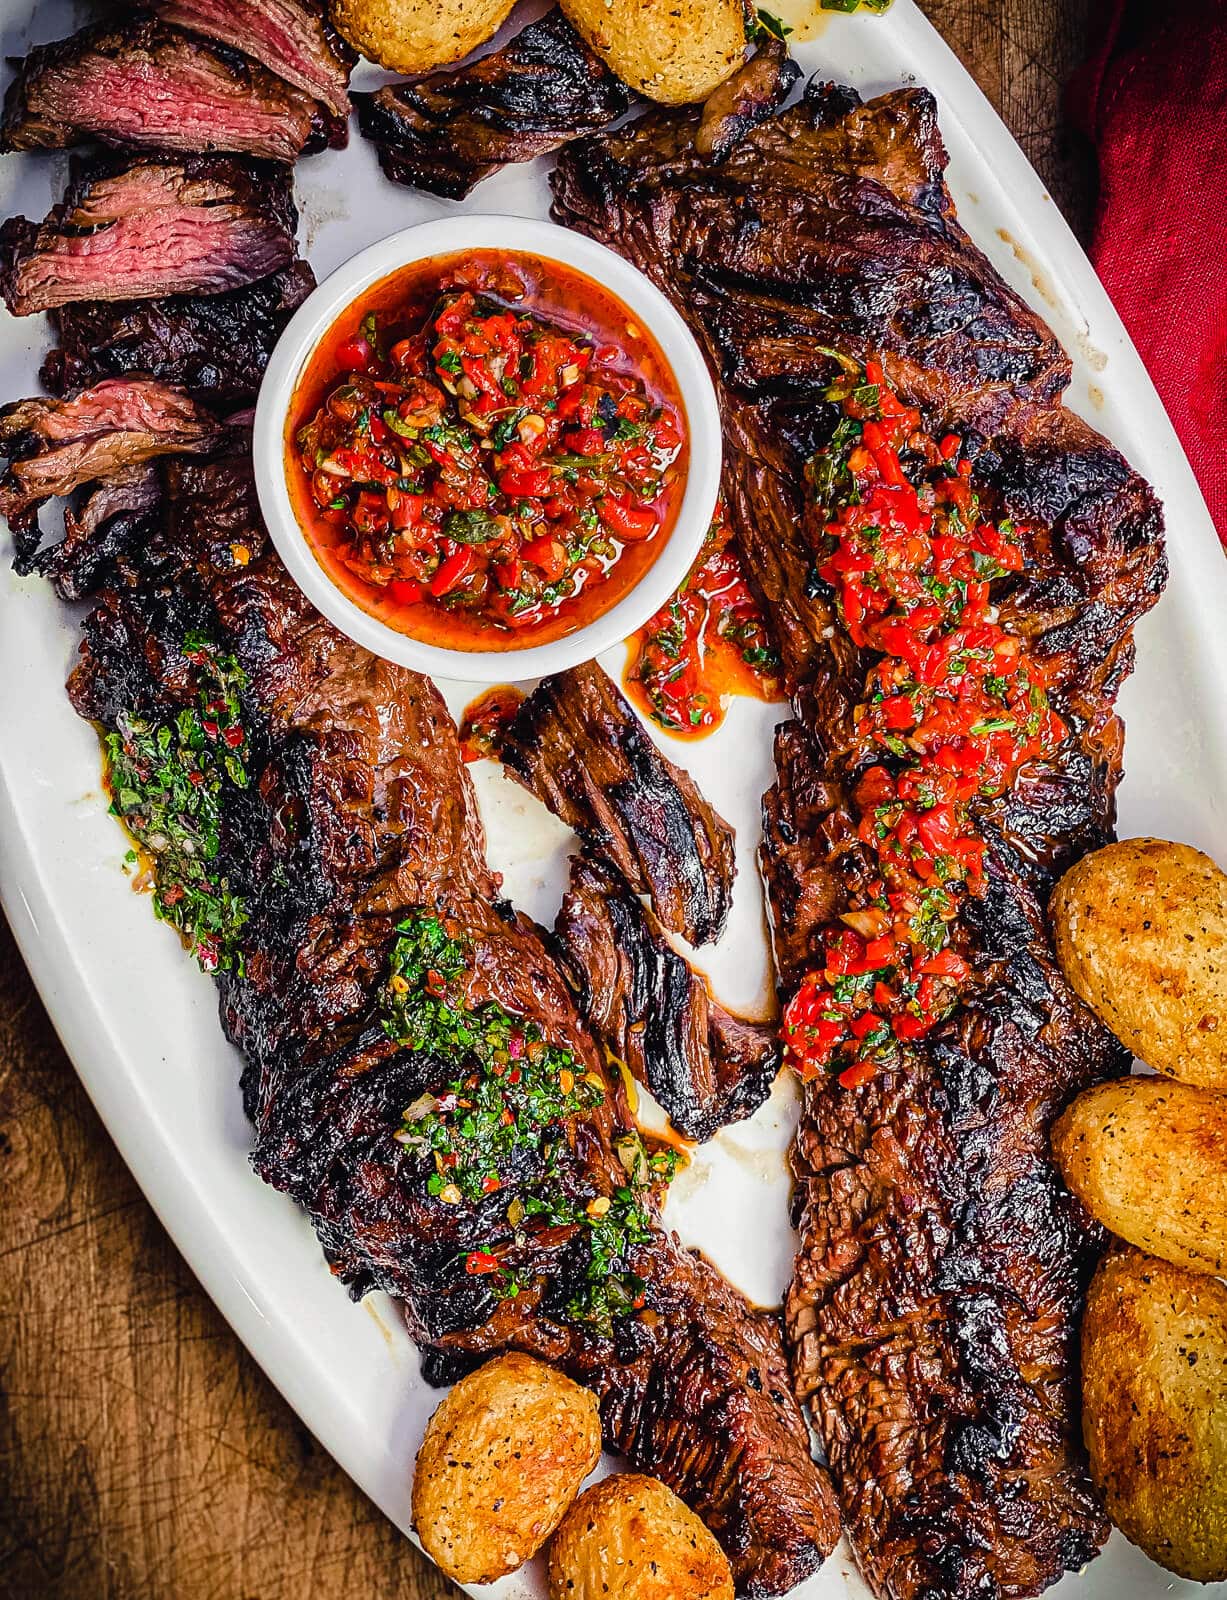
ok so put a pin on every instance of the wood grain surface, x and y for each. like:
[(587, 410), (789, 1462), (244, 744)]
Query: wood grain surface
[(143, 1455)]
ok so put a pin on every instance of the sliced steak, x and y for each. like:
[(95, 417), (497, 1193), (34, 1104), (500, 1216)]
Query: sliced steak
[(113, 519), (151, 227), (292, 38), (447, 131), (141, 85), (576, 744), (55, 446), (355, 813), (934, 1311), (218, 344), (648, 1007)]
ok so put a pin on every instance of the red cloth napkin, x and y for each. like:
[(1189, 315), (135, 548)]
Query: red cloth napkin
[(1154, 100)]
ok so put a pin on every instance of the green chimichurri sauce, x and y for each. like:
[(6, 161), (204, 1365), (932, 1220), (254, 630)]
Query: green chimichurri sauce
[(166, 780), (511, 1097)]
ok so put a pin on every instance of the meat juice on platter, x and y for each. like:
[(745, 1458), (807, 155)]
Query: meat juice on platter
[(708, 642), (486, 451)]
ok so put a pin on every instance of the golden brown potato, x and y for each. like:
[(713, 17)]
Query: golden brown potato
[(1141, 932), (631, 1538), (671, 50), (503, 1457), (1154, 1397), (415, 35), (1148, 1157)]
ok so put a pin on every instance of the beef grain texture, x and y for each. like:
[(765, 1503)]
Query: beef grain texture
[(55, 446), (576, 744), (447, 131), (152, 226), (649, 1008), (359, 811), (218, 345), (292, 38), (934, 1310), (138, 84)]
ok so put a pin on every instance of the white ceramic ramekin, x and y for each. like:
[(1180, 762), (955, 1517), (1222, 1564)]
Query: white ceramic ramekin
[(348, 283)]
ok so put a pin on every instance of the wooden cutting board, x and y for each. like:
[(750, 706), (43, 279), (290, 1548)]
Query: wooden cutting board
[(143, 1455)]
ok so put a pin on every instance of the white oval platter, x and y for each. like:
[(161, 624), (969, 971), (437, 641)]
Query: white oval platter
[(139, 1021)]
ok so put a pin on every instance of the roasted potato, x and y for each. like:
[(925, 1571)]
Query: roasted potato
[(1148, 1157), (415, 36), (1141, 933), (503, 1457), (1154, 1409), (670, 50), (631, 1538)]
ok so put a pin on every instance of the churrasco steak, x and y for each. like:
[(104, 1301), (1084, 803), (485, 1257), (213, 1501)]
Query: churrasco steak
[(934, 1310), (576, 744), (292, 38), (218, 345), (153, 226), (139, 84), (447, 131), (365, 958), (651, 1009)]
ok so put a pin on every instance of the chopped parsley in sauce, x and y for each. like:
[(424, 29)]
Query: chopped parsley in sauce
[(489, 471), (707, 643), (166, 780), (485, 720), (953, 705), (499, 1126)]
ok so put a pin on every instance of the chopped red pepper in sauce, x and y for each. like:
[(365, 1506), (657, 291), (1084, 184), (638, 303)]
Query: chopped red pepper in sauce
[(708, 643), (487, 451), (481, 728), (953, 706)]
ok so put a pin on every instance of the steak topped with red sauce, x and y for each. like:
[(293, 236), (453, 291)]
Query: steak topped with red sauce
[(934, 1311)]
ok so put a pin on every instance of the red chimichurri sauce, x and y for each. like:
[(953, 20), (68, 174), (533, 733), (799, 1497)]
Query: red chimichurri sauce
[(708, 643), (486, 451), (953, 705), (484, 721)]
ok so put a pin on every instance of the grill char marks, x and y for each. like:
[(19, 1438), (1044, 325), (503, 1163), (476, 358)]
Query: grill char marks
[(749, 97), (216, 344), (827, 226), (649, 1008), (447, 131), (576, 744), (359, 809), (139, 84), (114, 517), (934, 1310), (150, 227), (290, 37)]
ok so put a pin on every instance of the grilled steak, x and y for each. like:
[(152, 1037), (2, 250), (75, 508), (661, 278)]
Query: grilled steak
[(749, 97), (649, 1008), (111, 522), (447, 131), (219, 344), (350, 820), (151, 227), (142, 85), (578, 746), (55, 446), (290, 37), (933, 1315)]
